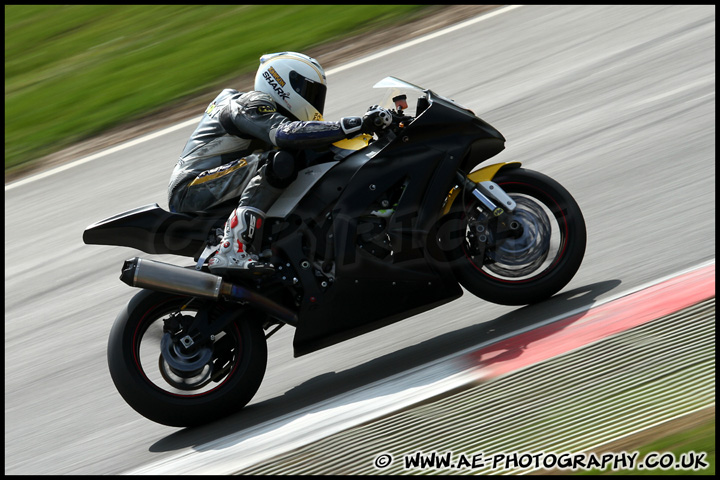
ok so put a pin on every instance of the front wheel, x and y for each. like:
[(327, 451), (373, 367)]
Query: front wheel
[(524, 257), (168, 378)]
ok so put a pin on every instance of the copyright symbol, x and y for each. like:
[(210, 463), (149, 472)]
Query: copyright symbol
[(383, 460)]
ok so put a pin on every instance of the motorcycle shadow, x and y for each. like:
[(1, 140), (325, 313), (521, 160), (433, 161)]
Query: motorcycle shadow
[(575, 302)]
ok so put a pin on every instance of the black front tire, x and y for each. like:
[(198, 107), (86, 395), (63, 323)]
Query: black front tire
[(483, 274), (135, 371)]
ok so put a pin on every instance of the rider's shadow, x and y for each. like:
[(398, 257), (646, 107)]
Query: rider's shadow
[(568, 307)]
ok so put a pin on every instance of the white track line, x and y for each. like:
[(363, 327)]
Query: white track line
[(194, 121)]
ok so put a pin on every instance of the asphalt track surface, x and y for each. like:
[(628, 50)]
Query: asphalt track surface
[(617, 103)]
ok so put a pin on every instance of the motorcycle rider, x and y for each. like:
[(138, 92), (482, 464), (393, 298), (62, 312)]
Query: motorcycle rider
[(242, 134)]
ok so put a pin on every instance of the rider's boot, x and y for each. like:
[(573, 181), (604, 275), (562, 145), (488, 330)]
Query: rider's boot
[(237, 254)]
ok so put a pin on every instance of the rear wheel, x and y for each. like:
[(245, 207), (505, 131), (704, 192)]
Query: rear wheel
[(170, 379), (523, 257)]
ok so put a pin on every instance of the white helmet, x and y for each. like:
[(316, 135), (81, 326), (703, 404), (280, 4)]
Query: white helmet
[(295, 81)]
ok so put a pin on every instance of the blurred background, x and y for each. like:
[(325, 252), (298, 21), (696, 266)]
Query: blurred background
[(74, 71)]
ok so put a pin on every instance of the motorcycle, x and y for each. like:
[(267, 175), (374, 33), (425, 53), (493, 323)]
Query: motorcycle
[(375, 230)]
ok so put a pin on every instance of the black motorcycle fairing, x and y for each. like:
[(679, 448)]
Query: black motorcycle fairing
[(328, 222), (449, 120), (325, 226), (367, 306), (154, 230)]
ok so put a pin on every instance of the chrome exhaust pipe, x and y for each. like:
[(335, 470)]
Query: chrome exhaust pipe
[(164, 277)]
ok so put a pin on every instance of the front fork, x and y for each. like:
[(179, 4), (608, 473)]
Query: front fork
[(497, 208), (490, 195), (487, 192)]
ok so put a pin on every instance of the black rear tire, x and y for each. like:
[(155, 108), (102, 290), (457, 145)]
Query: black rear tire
[(499, 276), (141, 376)]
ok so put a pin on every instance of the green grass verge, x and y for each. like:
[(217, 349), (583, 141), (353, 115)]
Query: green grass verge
[(73, 71), (700, 439)]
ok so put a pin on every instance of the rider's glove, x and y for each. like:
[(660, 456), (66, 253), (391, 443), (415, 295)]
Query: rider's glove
[(351, 126), (376, 119)]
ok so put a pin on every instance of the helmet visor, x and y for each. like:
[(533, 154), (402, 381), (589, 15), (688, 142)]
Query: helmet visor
[(313, 92)]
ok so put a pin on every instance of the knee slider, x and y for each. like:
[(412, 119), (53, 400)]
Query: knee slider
[(280, 170)]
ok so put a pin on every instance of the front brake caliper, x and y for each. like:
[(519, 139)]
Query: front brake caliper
[(479, 235)]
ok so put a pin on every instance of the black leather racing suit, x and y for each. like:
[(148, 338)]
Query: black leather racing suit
[(225, 148)]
